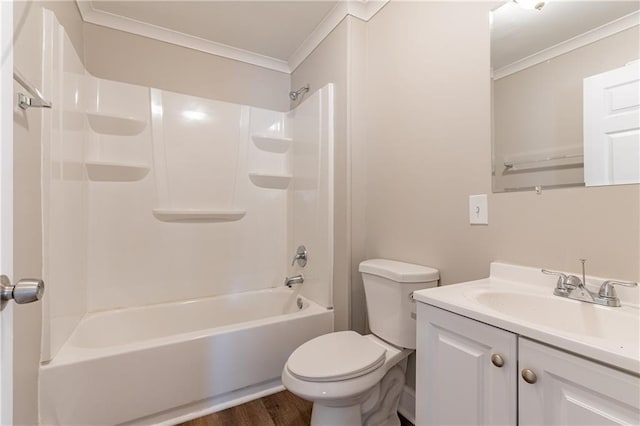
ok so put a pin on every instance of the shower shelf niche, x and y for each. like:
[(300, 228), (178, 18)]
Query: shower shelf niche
[(275, 144), (270, 180), (102, 171), (198, 215), (108, 124)]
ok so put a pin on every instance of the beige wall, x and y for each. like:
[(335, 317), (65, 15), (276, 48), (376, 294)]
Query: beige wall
[(120, 56), (357, 170), (429, 148), (539, 109), (557, 228), (27, 195), (427, 141)]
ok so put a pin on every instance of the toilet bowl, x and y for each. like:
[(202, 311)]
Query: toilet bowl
[(342, 370), (354, 379)]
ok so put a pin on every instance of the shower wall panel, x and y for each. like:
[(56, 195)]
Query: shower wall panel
[(151, 196), (311, 201), (64, 189), (167, 236)]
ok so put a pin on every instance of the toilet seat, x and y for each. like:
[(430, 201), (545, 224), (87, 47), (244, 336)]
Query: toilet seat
[(336, 356)]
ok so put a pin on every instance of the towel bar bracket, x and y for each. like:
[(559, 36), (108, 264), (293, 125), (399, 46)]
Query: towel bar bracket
[(26, 102)]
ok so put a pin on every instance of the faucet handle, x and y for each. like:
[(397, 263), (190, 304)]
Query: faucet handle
[(608, 291), (561, 277), (301, 256), (564, 282)]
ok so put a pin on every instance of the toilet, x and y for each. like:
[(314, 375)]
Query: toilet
[(354, 379)]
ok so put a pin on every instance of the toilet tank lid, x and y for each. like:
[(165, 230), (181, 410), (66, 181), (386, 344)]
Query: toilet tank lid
[(399, 271)]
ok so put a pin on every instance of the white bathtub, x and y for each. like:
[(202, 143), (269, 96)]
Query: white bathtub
[(176, 361)]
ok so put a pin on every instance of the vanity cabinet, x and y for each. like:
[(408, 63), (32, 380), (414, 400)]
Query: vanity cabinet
[(571, 390), (460, 379), (458, 382)]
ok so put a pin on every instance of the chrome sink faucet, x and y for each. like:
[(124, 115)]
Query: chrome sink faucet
[(296, 279), (573, 287)]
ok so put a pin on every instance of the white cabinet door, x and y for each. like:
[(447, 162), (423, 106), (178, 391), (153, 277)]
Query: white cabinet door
[(570, 390), (612, 126), (457, 383)]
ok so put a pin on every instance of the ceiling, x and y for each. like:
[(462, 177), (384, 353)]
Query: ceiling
[(517, 33), (280, 34), (277, 35), (270, 28)]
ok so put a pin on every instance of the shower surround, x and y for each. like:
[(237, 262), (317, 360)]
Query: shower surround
[(156, 198)]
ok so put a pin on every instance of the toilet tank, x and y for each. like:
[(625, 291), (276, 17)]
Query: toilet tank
[(389, 287)]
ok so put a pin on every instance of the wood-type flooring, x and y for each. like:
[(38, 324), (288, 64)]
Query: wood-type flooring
[(280, 409)]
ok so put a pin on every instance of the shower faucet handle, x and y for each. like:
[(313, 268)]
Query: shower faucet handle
[(300, 257)]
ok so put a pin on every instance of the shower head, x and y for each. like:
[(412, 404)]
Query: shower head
[(293, 95)]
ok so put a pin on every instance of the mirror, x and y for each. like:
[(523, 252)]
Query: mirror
[(544, 111)]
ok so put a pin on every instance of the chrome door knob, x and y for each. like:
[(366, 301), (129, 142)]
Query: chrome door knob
[(497, 360), (529, 376), (25, 291)]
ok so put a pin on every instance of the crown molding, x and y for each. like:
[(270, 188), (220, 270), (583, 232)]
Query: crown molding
[(576, 42), (361, 9), (105, 19), (364, 10)]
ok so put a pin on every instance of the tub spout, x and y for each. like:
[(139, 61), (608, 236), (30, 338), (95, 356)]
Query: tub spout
[(296, 279)]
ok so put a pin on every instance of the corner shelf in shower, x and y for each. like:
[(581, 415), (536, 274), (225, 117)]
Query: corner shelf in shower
[(198, 215), (270, 180), (101, 171), (108, 124), (275, 144)]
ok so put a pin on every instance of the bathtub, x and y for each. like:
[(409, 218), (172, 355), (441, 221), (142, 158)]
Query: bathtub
[(173, 362)]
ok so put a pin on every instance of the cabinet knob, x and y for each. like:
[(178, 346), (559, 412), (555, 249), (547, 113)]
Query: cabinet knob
[(529, 376), (497, 360)]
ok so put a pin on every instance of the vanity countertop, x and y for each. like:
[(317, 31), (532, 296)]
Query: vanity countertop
[(520, 299)]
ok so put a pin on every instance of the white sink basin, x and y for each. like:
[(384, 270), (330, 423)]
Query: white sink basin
[(521, 300), (570, 316)]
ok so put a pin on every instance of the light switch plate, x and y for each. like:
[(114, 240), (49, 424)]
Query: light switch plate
[(478, 210)]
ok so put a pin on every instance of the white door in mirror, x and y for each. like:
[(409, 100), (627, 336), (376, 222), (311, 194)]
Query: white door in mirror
[(612, 126)]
